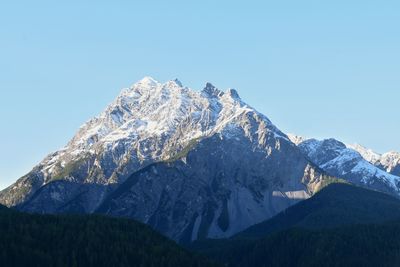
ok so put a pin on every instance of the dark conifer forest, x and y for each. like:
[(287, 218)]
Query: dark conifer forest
[(342, 225), (86, 240)]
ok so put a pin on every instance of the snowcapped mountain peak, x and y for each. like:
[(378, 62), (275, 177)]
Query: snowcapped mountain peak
[(168, 114), (390, 161), (178, 82), (355, 163), (148, 82), (199, 146), (366, 153), (211, 91), (334, 143), (391, 154), (296, 139), (313, 146), (173, 84), (194, 164), (232, 93)]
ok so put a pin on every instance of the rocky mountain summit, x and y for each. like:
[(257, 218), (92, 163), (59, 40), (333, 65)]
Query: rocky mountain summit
[(389, 161), (192, 164)]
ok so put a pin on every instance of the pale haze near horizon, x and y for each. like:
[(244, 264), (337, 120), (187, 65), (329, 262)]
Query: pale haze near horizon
[(315, 69)]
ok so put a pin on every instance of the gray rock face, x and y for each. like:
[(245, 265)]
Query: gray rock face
[(191, 164), (341, 161), (219, 188), (63, 196)]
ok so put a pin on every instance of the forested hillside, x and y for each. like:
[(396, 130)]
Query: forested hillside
[(72, 240)]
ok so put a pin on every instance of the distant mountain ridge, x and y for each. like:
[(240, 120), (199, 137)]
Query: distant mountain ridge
[(353, 163)]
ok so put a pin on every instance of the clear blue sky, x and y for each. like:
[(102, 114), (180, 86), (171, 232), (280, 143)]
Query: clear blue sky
[(315, 68)]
